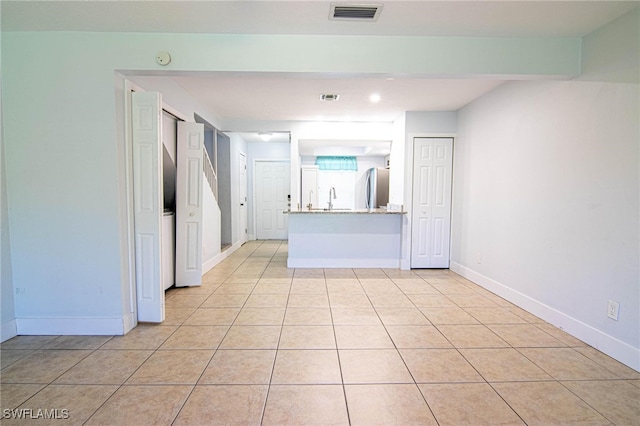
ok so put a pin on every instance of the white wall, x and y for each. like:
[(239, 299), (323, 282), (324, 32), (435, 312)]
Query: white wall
[(546, 204), (211, 236), (546, 193), (397, 161)]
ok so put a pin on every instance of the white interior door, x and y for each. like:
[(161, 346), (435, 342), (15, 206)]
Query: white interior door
[(431, 211), (189, 196), (242, 167), (272, 199), (147, 200)]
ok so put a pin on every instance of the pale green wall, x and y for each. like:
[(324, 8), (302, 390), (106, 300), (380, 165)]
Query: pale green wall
[(612, 53)]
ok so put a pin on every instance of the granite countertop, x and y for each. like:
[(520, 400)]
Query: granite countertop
[(343, 211)]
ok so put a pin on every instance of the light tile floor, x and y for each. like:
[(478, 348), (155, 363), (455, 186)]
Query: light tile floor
[(258, 343)]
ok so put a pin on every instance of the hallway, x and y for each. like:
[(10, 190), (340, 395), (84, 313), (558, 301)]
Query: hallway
[(258, 343)]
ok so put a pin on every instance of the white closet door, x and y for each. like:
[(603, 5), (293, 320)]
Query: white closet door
[(431, 211), (147, 199), (189, 197)]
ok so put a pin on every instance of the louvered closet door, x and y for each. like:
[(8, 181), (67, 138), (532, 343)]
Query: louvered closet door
[(431, 211)]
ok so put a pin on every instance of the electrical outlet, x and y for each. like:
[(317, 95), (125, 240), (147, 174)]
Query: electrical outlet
[(478, 258), (613, 309)]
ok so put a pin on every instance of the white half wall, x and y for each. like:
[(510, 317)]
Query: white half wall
[(211, 235), (546, 205)]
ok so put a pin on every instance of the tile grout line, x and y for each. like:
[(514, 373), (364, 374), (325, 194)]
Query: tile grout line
[(275, 358), (217, 347), (335, 339), (415, 383)]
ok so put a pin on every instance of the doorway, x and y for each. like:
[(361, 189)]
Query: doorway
[(273, 197), (146, 121), (223, 148)]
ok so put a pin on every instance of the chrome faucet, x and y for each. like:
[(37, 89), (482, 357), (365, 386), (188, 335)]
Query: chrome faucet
[(310, 205), (334, 197)]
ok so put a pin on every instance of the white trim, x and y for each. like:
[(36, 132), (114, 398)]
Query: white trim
[(9, 330), (211, 263), (343, 263), (70, 326), (603, 342), (130, 87), (129, 322)]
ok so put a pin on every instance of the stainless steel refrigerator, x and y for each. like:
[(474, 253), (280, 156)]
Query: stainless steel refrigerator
[(377, 188)]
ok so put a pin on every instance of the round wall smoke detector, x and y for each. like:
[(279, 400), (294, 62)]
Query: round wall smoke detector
[(163, 58)]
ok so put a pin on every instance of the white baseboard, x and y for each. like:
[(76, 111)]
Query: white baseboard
[(209, 264), (343, 263), (70, 326), (8, 330), (605, 343)]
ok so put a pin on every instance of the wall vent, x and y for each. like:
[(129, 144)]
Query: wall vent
[(354, 12), (328, 97)]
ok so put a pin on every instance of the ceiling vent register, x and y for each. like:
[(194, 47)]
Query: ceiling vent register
[(355, 12)]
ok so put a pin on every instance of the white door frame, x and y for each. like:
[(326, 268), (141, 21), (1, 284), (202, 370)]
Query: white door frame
[(254, 211), (131, 317), (405, 263)]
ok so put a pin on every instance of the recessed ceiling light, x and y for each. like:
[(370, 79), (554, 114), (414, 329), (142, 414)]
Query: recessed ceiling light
[(374, 98), (265, 136)]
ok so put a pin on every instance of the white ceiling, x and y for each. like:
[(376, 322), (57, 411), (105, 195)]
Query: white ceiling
[(291, 97), (279, 97)]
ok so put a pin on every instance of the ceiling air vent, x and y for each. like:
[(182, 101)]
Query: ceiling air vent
[(329, 97), (355, 12)]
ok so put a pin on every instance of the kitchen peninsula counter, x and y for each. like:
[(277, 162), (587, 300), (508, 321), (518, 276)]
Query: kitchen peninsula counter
[(337, 238), (343, 211)]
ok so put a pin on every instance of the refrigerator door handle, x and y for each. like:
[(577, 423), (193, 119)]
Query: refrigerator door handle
[(367, 198)]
